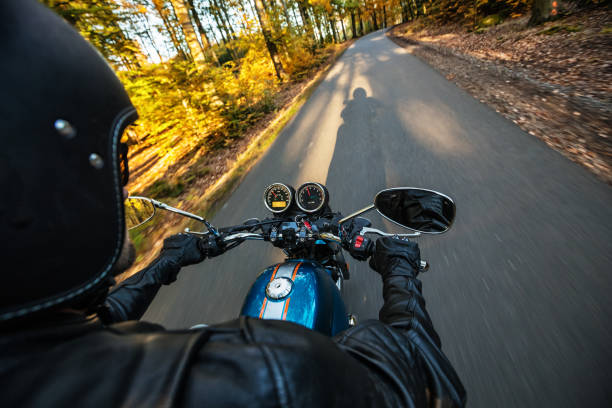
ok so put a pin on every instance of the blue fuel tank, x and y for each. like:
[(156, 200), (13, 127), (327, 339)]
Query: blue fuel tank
[(301, 291)]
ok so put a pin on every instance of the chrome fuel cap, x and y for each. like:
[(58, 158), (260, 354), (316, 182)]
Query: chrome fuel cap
[(279, 288)]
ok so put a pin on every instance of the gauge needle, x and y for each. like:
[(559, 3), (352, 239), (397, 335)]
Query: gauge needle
[(272, 191), (308, 191)]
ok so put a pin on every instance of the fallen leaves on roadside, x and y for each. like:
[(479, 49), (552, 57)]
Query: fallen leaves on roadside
[(554, 81)]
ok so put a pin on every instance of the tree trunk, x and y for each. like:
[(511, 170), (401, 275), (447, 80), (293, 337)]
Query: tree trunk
[(286, 13), (190, 36), (221, 22), (159, 6), (374, 19), (145, 21), (318, 25), (332, 25), (265, 30), (220, 25), (540, 12), (409, 12), (212, 32), (306, 19), (223, 7), (409, 8), (384, 24), (203, 36), (343, 30), (295, 19), (355, 33), (360, 22)]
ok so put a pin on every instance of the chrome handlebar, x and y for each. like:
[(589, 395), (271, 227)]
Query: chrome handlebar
[(245, 236), (424, 266), (324, 235)]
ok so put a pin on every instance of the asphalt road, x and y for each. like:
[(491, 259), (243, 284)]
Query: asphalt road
[(520, 290)]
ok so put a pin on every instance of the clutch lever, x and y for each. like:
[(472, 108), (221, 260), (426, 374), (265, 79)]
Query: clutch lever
[(197, 233)]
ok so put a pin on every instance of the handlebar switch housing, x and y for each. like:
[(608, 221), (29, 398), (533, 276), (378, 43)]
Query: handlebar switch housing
[(360, 247), (273, 234)]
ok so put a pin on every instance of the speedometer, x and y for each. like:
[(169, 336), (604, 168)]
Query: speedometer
[(311, 197), (278, 197)]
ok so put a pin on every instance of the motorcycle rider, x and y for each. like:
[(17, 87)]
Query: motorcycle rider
[(66, 340)]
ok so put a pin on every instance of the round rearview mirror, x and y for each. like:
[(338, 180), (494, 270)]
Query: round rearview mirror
[(415, 208), (138, 210)]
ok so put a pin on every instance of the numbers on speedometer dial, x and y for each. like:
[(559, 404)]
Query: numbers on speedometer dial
[(311, 197), (277, 197)]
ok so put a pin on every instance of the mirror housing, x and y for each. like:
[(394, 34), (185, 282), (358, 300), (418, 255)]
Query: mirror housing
[(138, 210), (419, 209)]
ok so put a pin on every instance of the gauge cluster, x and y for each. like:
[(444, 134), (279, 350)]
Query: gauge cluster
[(310, 198), (278, 197)]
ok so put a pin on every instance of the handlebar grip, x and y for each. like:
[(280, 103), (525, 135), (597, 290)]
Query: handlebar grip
[(371, 248)]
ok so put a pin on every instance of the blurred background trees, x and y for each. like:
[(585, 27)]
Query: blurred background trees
[(200, 72)]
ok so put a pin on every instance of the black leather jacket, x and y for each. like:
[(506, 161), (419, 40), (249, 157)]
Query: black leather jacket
[(74, 360)]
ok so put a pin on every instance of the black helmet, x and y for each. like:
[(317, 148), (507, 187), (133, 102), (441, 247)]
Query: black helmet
[(62, 114)]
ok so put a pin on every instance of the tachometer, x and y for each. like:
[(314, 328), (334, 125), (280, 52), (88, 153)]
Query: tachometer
[(278, 197), (311, 197)]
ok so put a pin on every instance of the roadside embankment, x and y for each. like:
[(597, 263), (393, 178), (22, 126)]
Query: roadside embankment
[(553, 80)]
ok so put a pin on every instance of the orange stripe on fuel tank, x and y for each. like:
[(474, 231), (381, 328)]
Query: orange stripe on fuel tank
[(274, 273), (286, 307), (295, 271), (263, 308), (263, 305)]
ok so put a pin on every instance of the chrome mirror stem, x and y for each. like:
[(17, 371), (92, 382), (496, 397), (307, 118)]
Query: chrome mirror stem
[(166, 207), (356, 213)]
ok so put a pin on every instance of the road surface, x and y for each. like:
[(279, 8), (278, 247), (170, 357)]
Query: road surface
[(520, 290)]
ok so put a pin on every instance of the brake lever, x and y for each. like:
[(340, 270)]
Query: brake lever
[(368, 230), (423, 266)]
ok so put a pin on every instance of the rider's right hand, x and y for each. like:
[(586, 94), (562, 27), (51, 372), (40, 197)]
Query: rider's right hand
[(359, 246), (397, 256)]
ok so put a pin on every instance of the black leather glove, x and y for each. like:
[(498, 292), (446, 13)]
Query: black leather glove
[(396, 256), (179, 250), (131, 298), (359, 246), (184, 249)]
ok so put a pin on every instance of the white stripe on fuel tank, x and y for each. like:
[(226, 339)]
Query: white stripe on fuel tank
[(275, 309), (286, 270)]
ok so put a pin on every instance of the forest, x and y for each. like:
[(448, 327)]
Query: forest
[(203, 73)]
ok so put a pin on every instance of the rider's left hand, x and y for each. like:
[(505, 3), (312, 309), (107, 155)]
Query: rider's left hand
[(184, 249)]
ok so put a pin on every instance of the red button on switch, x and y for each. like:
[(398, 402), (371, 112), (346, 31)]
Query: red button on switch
[(358, 241)]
